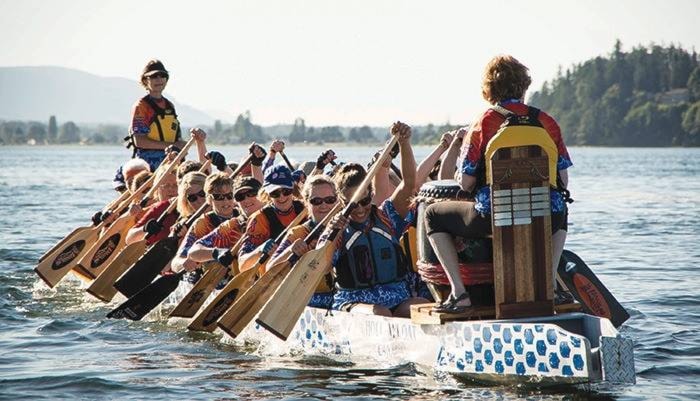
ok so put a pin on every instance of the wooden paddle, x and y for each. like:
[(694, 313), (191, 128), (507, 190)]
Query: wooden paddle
[(280, 314), (207, 318), (286, 160), (589, 290), (113, 240), (242, 312), (160, 254), (111, 205), (102, 287), (190, 304), (55, 266)]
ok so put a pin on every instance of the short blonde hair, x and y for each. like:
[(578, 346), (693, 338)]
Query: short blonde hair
[(217, 180), (504, 78)]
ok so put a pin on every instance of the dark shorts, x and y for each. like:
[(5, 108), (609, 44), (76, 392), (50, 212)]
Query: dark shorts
[(459, 218)]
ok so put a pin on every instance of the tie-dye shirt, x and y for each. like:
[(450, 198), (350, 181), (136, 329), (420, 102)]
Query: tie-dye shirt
[(481, 132), (224, 236), (201, 227)]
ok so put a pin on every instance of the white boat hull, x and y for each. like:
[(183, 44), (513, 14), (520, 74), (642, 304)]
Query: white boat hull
[(534, 350)]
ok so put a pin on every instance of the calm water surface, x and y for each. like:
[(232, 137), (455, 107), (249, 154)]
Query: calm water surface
[(636, 221)]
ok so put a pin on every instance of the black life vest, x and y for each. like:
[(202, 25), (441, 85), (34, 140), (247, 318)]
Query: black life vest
[(276, 226), (369, 255)]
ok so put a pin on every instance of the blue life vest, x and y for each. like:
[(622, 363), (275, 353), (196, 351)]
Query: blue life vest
[(370, 255)]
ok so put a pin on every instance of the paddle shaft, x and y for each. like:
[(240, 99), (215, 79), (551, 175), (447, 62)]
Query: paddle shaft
[(206, 319), (282, 311), (195, 298), (286, 160), (156, 258), (249, 304)]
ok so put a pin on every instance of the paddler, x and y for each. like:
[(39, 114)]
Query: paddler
[(278, 193), (320, 196), (370, 267)]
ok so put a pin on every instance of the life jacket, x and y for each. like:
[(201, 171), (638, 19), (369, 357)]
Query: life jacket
[(214, 219), (165, 126), (276, 226), (531, 119), (369, 256)]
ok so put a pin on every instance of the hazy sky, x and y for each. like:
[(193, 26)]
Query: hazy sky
[(332, 62)]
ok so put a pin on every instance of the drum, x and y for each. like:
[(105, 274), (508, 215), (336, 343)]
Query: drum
[(475, 254)]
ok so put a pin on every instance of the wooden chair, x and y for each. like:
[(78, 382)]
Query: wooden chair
[(520, 169)]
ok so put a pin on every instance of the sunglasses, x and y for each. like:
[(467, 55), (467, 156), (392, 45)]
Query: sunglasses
[(362, 202), (328, 200), (220, 197), (245, 194), (193, 197), (159, 75), (279, 192), (365, 201)]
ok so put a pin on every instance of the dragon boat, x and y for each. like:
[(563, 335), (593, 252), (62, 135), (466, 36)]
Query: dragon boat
[(521, 335)]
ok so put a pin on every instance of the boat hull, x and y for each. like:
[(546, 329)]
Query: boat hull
[(571, 348)]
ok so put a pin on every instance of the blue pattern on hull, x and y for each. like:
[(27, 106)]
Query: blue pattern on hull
[(478, 348)]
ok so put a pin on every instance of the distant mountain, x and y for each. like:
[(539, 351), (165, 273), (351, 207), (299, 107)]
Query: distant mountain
[(35, 93)]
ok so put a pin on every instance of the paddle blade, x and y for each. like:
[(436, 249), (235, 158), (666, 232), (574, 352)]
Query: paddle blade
[(281, 313), (62, 242), (102, 287), (147, 267), (589, 290), (107, 246), (56, 265), (207, 318), (190, 304), (138, 306), (242, 312)]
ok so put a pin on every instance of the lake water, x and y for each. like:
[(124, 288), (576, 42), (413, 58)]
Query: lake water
[(636, 221)]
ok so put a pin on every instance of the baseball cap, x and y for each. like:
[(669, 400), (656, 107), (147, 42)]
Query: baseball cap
[(276, 177), (246, 183), (118, 182), (154, 67)]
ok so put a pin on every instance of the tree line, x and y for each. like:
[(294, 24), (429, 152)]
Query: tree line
[(242, 131), (649, 96)]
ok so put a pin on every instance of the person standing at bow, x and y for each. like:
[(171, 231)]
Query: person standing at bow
[(154, 123)]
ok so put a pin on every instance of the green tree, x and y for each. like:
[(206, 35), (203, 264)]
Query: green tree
[(361, 135), (37, 132), (69, 133), (331, 134), (244, 131), (298, 133), (694, 85), (53, 130), (691, 124)]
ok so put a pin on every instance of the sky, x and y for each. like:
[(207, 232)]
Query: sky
[(333, 62)]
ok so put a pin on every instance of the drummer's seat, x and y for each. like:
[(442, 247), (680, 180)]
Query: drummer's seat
[(521, 168)]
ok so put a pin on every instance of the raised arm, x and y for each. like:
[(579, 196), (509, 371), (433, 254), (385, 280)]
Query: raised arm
[(403, 193), (449, 163), (426, 166)]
